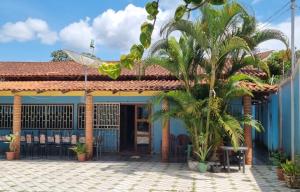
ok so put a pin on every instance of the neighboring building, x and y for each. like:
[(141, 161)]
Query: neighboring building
[(50, 97)]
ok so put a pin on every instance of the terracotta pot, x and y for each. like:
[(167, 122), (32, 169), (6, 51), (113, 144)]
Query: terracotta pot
[(10, 156), (292, 181), (81, 157), (280, 174)]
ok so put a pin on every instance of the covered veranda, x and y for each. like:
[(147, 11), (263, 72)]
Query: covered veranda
[(58, 120)]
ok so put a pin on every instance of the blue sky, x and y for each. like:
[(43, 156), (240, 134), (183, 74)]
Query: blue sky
[(31, 29)]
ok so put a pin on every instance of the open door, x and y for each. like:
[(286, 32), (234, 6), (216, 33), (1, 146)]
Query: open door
[(142, 129)]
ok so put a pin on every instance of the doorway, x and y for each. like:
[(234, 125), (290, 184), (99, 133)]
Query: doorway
[(127, 128)]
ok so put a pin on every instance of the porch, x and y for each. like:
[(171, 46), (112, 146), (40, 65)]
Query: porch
[(59, 121)]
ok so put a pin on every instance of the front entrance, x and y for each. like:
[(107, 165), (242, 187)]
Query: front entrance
[(135, 128), (127, 120)]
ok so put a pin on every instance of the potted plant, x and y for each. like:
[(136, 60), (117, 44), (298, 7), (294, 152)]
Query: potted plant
[(80, 150), (11, 138), (278, 158), (291, 174), (202, 152)]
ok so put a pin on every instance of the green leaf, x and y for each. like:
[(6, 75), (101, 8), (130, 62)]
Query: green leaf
[(187, 1), (137, 51), (113, 70), (127, 61), (149, 17), (152, 8), (217, 2), (145, 39), (196, 2), (180, 11), (147, 27)]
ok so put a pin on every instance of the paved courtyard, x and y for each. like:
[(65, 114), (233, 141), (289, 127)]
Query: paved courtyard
[(71, 176)]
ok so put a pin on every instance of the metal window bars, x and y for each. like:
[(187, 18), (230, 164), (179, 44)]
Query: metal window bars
[(106, 116), (6, 116), (39, 116)]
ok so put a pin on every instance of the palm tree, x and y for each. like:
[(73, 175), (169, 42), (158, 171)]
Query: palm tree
[(223, 35), (178, 57), (218, 46)]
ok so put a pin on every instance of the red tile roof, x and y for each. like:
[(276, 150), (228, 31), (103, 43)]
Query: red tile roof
[(64, 69), (146, 85), (69, 69), (143, 85), (67, 76)]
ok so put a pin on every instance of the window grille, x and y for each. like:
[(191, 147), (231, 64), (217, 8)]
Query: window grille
[(6, 116), (106, 116), (47, 116)]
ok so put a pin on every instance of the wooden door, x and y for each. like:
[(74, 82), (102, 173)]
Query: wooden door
[(142, 129)]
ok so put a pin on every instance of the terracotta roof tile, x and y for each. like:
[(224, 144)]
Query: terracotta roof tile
[(72, 69), (260, 88), (146, 85), (65, 69), (154, 85)]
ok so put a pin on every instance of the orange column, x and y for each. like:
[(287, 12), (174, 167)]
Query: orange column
[(165, 133), (248, 129), (89, 109), (17, 123)]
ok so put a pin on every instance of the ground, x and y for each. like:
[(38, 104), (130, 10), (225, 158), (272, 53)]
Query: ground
[(71, 176)]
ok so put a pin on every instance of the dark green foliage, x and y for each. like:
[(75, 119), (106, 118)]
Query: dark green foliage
[(60, 55)]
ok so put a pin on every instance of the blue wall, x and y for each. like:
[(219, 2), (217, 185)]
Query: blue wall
[(176, 127), (267, 114)]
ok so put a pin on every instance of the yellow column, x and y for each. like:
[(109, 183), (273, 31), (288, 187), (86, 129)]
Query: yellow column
[(89, 110), (17, 123), (165, 134), (248, 129)]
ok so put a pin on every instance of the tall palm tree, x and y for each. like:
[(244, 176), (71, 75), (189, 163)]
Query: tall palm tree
[(226, 34)]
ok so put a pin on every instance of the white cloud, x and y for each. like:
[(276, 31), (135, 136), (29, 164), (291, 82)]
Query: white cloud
[(285, 27), (27, 30), (77, 35), (116, 30)]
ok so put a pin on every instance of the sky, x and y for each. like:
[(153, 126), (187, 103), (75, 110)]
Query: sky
[(31, 29)]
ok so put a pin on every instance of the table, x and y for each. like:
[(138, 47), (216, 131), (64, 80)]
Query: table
[(226, 150)]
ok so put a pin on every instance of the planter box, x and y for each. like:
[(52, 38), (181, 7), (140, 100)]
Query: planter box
[(292, 181), (280, 174)]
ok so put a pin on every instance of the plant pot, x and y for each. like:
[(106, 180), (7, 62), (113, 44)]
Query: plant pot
[(280, 174), (81, 157), (292, 181), (10, 156), (202, 167), (193, 164)]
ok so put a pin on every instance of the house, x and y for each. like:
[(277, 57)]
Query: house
[(50, 96)]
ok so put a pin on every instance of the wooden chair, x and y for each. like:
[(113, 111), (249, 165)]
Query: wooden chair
[(182, 142)]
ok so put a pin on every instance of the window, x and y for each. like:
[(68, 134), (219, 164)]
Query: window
[(6, 116), (47, 116), (106, 116)]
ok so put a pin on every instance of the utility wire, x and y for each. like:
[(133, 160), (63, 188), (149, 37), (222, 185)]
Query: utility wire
[(276, 14), (263, 26)]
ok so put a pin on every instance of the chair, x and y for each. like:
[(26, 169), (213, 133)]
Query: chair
[(43, 144), (74, 140), (49, 143), (58, 143), (23, 144), (98, 146), (29, 144), (66, 143), (35, 143), (182, 141)]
